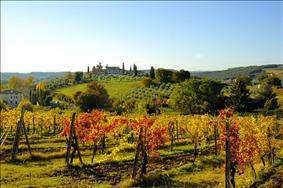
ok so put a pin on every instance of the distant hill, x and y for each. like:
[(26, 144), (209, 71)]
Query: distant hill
[(38, 76), (231, 73)]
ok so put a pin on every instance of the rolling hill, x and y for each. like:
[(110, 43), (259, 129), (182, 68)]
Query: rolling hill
[(38, 76), (232, 73)]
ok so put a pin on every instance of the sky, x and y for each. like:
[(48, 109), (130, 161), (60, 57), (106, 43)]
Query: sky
[(205, 35)]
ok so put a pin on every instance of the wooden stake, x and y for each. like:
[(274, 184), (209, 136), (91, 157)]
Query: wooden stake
[(70, 140), (137, 155), (54, 124), (228, 156), (215, 140), (20, 126), (17, 137)]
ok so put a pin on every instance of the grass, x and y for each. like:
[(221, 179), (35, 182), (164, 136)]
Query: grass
[(115, 88), (120, 89)]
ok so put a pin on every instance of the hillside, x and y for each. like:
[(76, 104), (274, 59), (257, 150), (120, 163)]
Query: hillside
[(115, 88), (231, 73), (38, 76), (278, 72)]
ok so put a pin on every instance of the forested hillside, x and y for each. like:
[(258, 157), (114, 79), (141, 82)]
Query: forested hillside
[(231, 73)]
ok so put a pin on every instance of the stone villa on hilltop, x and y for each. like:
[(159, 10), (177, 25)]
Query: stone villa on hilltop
[(113, 70), (107, 71), (11, 97)]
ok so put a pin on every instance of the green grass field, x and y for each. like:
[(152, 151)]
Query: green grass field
[(115, 88)]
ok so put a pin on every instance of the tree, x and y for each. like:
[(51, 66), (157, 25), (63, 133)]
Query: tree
[(69, 76), (99, 66), (152, 73), (147, 82), (164, 75), (180, 76), (87, 69), (78, 76), (239, 93), (266, 97), (3, 106), (123, 68), (42, 93), (130, 69), (25, 104), (135, 70), (18, 84), (262, 76), (274, 81), (198, 96), (77, 95), (30, 81), (95, 97)]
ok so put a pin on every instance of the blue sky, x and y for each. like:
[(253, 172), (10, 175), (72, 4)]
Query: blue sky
[(69, 36)]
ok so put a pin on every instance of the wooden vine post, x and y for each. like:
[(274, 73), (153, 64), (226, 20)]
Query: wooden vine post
[(171, 133), (138, 150), (144, 154), (228, 155), (33, 125), (72, 141), (215, 139), (54, 124), (20, 127)]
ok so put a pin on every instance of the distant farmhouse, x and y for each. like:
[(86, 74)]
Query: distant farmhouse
[(113, 70), (11, 97)]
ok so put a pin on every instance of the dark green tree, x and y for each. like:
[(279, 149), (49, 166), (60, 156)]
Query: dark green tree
[(164, 75), (135, 70), (87, 102), (123, 68), (274, 81), (131, 70), (266, 97), (152, 73), (262, 76), (95, 97), (198, 96), (99, 66), (239, 93), (147, 82), (180, 76), (78, 76)]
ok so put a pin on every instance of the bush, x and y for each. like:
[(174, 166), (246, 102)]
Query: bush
[(96, 97), (3, 106), (147, 82), (271, 104), (25, 104)]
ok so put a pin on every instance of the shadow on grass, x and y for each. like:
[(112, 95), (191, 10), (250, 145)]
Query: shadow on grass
[(167, 181), (36, 158), (271, 175)]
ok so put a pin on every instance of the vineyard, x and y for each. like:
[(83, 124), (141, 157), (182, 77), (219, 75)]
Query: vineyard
[(100, 149), (164, 90)]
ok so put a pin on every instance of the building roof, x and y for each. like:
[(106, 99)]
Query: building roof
[(10, 92), (112, 67)]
